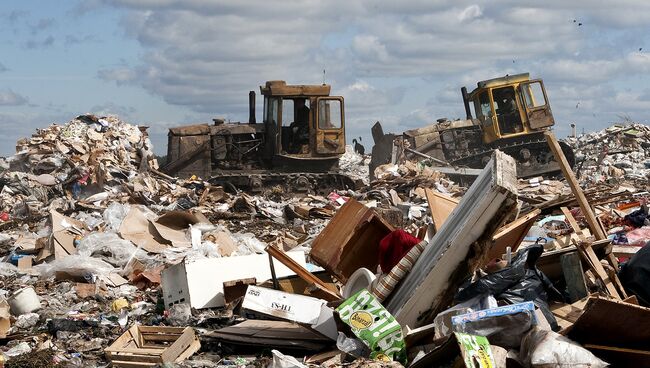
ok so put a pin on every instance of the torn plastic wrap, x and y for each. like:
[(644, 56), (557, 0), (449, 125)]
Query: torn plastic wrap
[(543, 348), (111, 248), (75, 265), (521, 281)]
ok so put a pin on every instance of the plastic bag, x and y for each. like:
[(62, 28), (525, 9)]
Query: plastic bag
[(504, 326), (354, 347), (519, 282), (285, 361), (115, 214), (442, 322), (75, 265), (248, 244), (7, 269), (547, 349), (179, 314), (111, 248), (635, 275)]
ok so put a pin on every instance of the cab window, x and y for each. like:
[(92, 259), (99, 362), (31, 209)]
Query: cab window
[(271, 110), (534, 95), (329, 114)]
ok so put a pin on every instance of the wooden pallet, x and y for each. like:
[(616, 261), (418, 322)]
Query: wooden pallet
[(146, 346)]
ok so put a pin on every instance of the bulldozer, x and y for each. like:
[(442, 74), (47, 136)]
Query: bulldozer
[(509, 113), (297, 145)]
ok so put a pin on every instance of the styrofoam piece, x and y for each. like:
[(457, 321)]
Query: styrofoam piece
[(200, 282), (24, 301)]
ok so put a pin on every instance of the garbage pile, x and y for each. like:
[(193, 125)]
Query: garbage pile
[(620, 152), (108, 261)]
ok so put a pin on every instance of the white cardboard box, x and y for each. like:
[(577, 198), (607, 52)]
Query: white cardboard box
[(200, 283), (279, 304)]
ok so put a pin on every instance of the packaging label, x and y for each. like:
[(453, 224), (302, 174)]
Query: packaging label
[(374, 325), (475, 350)]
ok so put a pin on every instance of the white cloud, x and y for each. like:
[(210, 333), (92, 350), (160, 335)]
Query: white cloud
[(118, 75), (469, 13), (11, 98), (207, 55)]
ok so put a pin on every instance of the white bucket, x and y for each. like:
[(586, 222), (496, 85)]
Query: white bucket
[(24, 301)]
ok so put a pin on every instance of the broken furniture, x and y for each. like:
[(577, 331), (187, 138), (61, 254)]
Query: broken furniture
[(350, 241)]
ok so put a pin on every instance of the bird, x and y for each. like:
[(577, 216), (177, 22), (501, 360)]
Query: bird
[(577, 105), (358, 147), (640, 48)]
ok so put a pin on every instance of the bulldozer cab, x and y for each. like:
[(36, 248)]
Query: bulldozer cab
[(303, 120), (511, 106)]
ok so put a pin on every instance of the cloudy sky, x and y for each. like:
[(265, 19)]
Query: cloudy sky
[(169, 62)]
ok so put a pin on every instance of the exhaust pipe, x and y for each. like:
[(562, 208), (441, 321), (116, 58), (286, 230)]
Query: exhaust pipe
[(251, 107), (468, 112)]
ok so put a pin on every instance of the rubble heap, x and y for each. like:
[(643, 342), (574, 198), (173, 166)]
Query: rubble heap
[(620, 152), (88, 159), (107, 261)]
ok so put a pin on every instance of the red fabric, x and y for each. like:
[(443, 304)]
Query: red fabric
[(393, 247)]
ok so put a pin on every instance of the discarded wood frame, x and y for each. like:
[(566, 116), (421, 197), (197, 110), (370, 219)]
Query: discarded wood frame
[(148, 346)]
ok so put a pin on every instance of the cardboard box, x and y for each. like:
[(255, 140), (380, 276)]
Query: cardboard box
[(291, 307), (200, 283)]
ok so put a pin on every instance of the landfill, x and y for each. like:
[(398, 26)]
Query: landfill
[(109, 261)]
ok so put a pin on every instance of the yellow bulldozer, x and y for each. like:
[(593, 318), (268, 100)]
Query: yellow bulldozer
[(509, 113)]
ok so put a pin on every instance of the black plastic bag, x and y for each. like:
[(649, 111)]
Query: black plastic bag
[(635, 275), (521, 281)]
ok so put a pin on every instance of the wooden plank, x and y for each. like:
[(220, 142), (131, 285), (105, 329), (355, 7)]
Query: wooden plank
[(511, 234), (574, 276), (624, 251), (122, 364), (599, 270), (574, 224), (440, 206), (303, 273), (621, 357), (575, 187), (276, 334), (178, 347), (137, 351), (159, 337), (613, 323), (161, 329), (587, 252), (193, 348)]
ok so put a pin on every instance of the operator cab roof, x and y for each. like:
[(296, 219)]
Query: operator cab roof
[(508, 79), (281, 88)]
